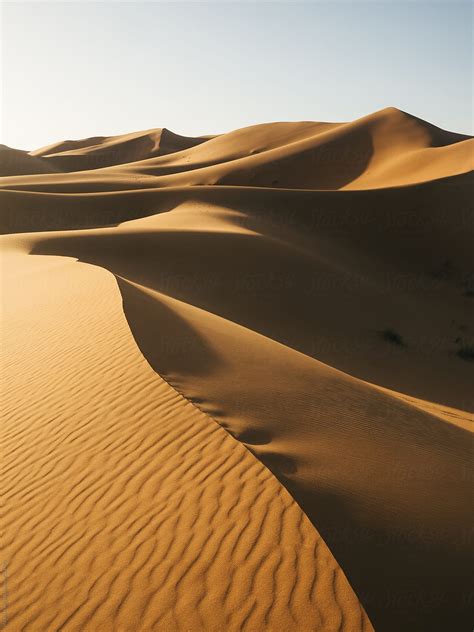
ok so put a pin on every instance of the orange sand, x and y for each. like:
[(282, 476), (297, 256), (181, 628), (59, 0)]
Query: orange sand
[(204, 428)]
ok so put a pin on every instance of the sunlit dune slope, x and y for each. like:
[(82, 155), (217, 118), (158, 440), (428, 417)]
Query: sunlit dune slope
[(205, 277), (103, 151), (127, 507), (249, 401), (388, 148)]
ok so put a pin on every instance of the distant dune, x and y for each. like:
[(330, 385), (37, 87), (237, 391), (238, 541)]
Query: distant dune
[(238, 379), (16, 162)]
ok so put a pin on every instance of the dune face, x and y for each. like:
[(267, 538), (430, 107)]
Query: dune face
[(238, 380), (16, 162), (103, 151)]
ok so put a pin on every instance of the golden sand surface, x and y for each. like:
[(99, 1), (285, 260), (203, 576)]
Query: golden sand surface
[(236, 387)]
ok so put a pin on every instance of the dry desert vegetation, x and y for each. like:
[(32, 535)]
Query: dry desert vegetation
[(237, 380)]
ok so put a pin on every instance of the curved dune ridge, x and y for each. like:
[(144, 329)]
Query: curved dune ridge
[(237, 380), (103, 151), (127, 507), (388, 148)]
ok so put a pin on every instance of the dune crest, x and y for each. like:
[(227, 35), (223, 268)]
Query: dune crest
[(105, 151), (386, 149), (249, 401)]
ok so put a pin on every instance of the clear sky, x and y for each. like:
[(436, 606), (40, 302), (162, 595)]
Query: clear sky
[(78, 69)]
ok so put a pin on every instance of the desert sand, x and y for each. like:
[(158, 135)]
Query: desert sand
[(237, 380)]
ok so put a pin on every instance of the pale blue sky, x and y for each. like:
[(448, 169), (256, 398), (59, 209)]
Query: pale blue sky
[(71, 70)]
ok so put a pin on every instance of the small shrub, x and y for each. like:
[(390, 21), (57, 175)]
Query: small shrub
[(466, 352), (445, 270), (390, 335)]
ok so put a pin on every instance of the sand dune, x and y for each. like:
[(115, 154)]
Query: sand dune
[(388, 148), (17, 162), (128, 508), (249, 401), (103, 151)]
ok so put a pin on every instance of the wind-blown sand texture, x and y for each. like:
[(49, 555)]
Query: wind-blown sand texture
[(205, 426)]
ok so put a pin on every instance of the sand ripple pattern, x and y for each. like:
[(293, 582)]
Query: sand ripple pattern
[(125, 507)]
